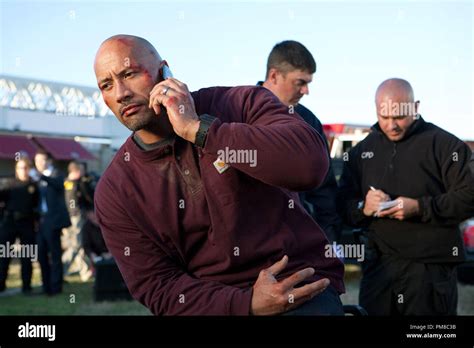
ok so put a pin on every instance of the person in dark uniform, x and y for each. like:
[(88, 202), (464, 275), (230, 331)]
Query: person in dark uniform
[(79, 197), (409, 185), (290, 70), (93, 241), (54, 217), (79, 189), (20, 197)]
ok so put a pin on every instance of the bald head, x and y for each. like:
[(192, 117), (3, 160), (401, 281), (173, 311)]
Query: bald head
[(135, 40), (396, 107), (396, 90), (127, 68), (134, 45)]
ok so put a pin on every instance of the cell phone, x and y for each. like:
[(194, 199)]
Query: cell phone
[(166, 72)]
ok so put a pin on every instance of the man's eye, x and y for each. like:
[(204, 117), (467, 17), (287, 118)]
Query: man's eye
[(129, 74), (105, 87)]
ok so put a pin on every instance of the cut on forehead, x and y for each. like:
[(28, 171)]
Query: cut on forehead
[(395, 88)]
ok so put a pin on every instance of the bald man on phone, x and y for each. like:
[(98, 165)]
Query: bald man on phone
[(197, 233)]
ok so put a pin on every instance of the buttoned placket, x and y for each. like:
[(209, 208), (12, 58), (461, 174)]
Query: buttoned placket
[(187, 165)]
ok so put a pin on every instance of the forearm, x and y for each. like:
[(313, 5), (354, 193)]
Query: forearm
[(186, 295), (457, 203), (354, 213), (448, 208), (287, 154), (57, 183), (164, 288)]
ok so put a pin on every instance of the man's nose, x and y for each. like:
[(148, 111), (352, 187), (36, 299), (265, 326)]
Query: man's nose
[(393, 123), (305, 90), (122, 92)]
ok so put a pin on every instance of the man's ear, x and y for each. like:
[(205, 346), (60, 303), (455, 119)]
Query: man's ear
[(417, 104), (273, 75)]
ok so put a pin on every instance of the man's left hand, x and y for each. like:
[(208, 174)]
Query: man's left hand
[(406, 208), (176, 98)]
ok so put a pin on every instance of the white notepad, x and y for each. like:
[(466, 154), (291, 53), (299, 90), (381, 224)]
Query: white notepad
[(388, 204)]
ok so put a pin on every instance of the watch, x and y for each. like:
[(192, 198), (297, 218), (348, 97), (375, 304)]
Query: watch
[(204, 125)]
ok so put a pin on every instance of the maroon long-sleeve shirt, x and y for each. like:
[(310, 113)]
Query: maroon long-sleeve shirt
[(190, 240)]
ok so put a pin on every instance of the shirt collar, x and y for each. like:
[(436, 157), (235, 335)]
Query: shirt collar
[(153, 146), (150, 155)]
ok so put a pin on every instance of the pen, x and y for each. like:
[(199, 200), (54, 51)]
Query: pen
[(373, 189)]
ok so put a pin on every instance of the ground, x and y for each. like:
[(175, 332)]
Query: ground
[(77, 297)]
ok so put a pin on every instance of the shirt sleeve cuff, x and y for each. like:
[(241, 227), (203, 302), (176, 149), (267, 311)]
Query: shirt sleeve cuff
[(241, 302), (423, 213), (204, 125)]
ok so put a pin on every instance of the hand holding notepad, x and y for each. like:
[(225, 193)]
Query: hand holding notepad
[(385, 205)]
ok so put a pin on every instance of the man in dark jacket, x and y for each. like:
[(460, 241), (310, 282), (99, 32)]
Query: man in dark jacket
[(20, 196), (290, 69), (53, 218), (409, 184), (197, 210), (79, 197)]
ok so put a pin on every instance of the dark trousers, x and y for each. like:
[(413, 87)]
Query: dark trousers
[(394, 286), (9, 231), (326, 303), (49, 257)]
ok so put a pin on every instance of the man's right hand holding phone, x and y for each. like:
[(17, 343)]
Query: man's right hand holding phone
[(174, 95)]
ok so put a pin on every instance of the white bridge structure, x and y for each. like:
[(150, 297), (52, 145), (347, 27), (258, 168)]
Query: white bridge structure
[(69, 121)]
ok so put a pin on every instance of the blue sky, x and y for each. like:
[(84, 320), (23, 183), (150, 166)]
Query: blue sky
[(356, 45)]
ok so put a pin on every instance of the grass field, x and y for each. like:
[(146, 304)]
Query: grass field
[(77, 297)]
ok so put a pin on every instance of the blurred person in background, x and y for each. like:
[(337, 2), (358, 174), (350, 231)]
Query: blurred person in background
[(79, 200), (53, 218), (93, 241), (21, 197)]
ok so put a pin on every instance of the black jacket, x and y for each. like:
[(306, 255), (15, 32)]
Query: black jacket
[(20, 198), (320, 202), (428, 164), (79, 195), (52, 189)]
